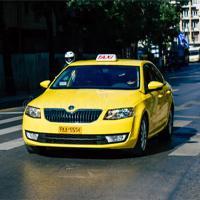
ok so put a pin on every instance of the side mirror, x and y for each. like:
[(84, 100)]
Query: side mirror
[(45, 84), (154, 85)]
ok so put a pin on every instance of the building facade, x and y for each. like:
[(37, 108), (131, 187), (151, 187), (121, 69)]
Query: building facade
[(26, 47), (190, 22)]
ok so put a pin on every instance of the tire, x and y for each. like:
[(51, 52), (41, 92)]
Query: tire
[(141, 145), (35, 149), (166, 134)]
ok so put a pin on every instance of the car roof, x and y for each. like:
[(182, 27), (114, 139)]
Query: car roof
[(117, 62)]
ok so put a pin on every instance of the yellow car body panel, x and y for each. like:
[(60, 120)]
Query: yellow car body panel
[(156, 108), (87, 98), (96, 128)]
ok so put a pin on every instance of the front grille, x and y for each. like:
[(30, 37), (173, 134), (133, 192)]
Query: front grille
[(72, 139), (79, 116)]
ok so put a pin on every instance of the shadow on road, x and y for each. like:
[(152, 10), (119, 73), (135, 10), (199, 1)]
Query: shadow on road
[(155, 146)]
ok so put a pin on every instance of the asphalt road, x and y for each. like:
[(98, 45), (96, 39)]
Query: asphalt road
[(171, 170)]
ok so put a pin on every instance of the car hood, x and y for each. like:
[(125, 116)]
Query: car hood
[(87, 99)]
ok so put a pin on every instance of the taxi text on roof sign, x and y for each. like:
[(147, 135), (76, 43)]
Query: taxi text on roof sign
[(106, 57)]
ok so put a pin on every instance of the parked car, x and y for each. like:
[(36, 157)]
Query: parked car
[(194, 54)]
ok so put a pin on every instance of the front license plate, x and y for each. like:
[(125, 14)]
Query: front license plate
[(64, 129)]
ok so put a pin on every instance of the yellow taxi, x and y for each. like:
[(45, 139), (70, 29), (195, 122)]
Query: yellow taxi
[(107, 103)]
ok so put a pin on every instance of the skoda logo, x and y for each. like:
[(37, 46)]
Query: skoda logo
[(71, 108)]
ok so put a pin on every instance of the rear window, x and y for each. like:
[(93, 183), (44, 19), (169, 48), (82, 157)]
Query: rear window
[(194, 53), (99, 76)]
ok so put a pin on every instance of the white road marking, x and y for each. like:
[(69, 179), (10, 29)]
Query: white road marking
[(10, 119), (10, 130), (190, 148), (12, 144), (174, 90), (10, 113), (183, 116), (181, 123)]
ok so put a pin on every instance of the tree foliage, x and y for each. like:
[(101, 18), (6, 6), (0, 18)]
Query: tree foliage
[(105, 26), (126, 22)]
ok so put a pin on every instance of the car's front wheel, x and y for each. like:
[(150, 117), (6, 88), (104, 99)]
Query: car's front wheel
[(35, 149), (141, 145)]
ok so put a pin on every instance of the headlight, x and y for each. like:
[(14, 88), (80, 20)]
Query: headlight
[(119, 113), (33, 112)]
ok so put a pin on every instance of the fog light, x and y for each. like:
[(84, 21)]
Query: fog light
[(32, 136), (116, 138)]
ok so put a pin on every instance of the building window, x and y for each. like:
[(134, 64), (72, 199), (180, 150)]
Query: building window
[(187, 37), (195, 13), (195, 25), (194, 2), (196, 36), (185, 25), (186, 13)]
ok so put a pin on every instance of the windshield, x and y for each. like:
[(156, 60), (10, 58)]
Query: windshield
[(98, 76), (194, 53)]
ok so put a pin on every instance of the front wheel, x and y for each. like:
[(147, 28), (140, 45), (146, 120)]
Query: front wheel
[(141, 145)]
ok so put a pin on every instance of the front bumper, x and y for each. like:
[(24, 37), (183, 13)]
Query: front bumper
[(93, 134), (194, 59)]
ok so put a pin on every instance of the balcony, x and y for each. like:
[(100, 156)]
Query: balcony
[(195, 17), (185, 30), (186, 6), (194, 5), (185, 17)]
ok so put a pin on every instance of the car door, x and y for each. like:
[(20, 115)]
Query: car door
[(153, 100), (162, 97)]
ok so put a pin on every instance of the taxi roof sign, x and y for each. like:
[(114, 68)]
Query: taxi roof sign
[(106, 57)]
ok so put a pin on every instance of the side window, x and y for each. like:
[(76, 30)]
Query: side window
[(156, 74), (147, 76)]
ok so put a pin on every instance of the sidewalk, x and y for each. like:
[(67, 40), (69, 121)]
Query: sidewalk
[(33, 94)]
